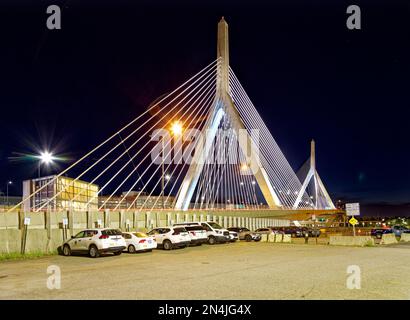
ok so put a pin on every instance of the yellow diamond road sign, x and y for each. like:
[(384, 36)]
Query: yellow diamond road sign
[(353, 221)]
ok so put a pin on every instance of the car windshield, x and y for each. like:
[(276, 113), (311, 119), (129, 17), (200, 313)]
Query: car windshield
[(214, 225), (245, 229), (111, 232), (140, 234)]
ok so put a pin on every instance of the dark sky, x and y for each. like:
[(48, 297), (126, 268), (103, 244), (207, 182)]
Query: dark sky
[(307, 74)]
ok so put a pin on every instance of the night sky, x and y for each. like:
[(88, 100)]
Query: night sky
[(308, 75)]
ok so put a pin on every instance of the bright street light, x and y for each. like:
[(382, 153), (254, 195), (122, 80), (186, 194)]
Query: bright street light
[(176, 128), (45, 157)]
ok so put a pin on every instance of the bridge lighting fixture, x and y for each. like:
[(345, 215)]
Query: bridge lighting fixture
[(167, 177)]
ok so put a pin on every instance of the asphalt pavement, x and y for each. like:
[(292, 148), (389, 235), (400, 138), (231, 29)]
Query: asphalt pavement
[(227, 271)]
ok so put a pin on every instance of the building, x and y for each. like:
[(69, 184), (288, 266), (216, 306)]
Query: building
[(60, 193), (135, 200)]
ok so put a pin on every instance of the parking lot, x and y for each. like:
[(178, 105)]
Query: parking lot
[(239, 270)]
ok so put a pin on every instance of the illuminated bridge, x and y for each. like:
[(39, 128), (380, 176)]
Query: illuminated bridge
[(202, 146)]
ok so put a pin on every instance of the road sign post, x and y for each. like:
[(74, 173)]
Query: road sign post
[(24, 238), (353, 209)]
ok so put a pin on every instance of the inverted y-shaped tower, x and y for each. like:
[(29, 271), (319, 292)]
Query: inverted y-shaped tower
[(224, 106), (319, 195)]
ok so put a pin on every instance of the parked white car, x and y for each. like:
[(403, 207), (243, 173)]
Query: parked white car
[(95, 242), (215, 233), (139, 241), (196, 232), (171, 237), (233, 236)]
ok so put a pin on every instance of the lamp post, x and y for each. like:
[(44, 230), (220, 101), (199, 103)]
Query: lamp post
[(7, 191), (46, 158), (176, 131)]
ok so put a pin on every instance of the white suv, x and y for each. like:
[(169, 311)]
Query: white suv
[(215, 233), (170, 237), (196, 232), (94, 242)]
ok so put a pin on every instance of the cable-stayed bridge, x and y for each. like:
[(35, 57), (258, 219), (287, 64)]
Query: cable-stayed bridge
[(202, 146)]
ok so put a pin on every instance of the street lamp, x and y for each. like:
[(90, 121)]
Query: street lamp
[(46, 158), (177, 128), (7, 191), (176, 131)]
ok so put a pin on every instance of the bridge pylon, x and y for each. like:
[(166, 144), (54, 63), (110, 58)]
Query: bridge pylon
[(321, 198), (224, 108)]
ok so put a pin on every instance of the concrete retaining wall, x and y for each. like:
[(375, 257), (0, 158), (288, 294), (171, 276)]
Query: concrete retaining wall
[(351, 241), (405, 237), (388, 238), (44, 234)]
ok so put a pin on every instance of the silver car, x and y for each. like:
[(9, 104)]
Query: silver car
[(246, 234), (95, 242)]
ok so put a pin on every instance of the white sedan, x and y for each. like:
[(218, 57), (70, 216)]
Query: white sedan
[(139, 241)]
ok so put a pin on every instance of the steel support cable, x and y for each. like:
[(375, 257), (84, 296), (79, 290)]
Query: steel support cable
[(276, 160), (276, 172), (217, 170), (184, 165), (131, 134), (261, 125), (143, 205), (273, 172), (109, 139), (209, 82), (207, 104), (190, 114)]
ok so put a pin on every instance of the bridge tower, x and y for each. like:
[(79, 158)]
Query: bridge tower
[(224, 106), (319, 189)]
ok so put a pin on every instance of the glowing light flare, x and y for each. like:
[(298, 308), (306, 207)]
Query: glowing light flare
[(177, 128)]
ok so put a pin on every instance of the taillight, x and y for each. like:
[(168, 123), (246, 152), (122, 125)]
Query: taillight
[(142, 241), (193, 233), (104, 236)]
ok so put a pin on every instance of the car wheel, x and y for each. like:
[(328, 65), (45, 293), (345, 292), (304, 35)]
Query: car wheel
[(167, 245), (211, 240), (117, 253), (93, 251), (248, 238), (66, 250), (131, 249)]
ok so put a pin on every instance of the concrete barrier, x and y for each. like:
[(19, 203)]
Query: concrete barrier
[(264, 238), (287, 238), (388, 238), (279, 237), (271, 237), (351, 241), (405, 237)]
